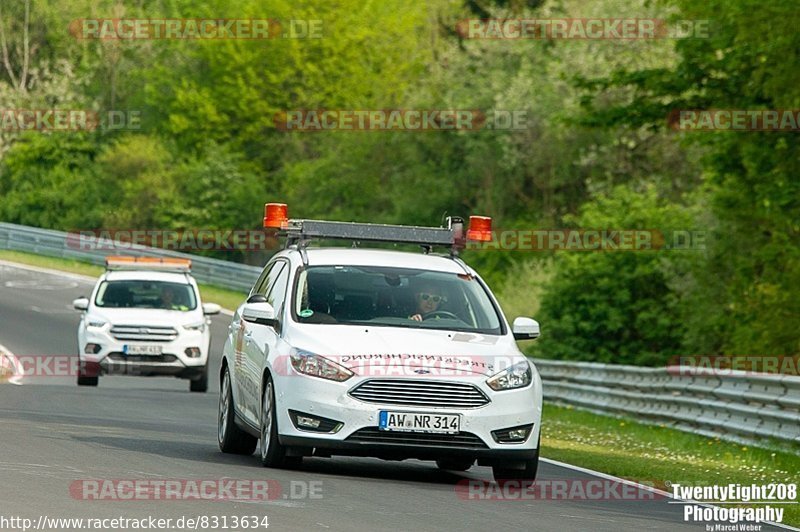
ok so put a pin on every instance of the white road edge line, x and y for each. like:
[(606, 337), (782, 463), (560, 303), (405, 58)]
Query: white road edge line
[(75, 276), (16, 378), (641, 486)]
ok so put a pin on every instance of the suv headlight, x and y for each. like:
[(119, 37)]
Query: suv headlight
[(199, 326), (318, 366), (517, 376)]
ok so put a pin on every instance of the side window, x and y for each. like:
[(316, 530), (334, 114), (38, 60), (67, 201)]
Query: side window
[(277, 290), (267, 278), (261, 281)]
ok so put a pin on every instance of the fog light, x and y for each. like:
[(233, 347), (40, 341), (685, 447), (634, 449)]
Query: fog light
[(192, 352), (517, 434), (312, 423), (92, 349), (309, 422), (512, 434)]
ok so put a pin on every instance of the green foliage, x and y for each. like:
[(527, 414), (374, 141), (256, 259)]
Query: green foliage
[(595, 152), (617, 306)]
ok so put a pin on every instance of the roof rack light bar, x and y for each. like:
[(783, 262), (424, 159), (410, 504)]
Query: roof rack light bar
[(301, 230), (116, 263)]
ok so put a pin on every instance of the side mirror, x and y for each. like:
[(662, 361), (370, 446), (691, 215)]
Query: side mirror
[(82, 303), (525, 329), (210, 309), (261, 313)]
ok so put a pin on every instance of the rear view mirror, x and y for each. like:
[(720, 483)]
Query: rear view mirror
[(525, 329), (210, 309), (261, 313), (82, 303)]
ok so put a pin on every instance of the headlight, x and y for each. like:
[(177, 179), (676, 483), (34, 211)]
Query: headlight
[(517, 376), (95, 323), (199, 326), (317, 366)]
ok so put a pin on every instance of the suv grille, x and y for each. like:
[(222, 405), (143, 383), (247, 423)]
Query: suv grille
[(462, 440), (144, 333), (420, 393)]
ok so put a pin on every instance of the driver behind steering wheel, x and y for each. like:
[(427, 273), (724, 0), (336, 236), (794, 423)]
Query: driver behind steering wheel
[(428, 299)]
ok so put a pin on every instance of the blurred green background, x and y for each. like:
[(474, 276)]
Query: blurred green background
[(598, 152)]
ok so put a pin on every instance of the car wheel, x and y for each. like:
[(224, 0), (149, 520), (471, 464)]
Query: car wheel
[(525, 476), (87, 381), (452, 464), (88, 373), (273, 454), (231, 438), (200, 384)]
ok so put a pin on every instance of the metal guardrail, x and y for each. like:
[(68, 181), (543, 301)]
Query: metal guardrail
[(206, 270), (738, 406)]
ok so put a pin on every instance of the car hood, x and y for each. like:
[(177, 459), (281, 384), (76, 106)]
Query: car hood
[(377, 350), (140, 316)]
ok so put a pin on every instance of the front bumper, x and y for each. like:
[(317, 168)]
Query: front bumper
[(359, 435), (173, 360)]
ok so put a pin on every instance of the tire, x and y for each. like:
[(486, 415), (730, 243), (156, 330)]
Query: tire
[(451, 464), (525, 476), (200, 384), (231, 439), (87, 381), (273, 454), (88, 373)]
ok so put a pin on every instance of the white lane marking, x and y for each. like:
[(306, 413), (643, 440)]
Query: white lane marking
[(66, 310), (75, 276), (9, 365), (640, 486), (39, 285)]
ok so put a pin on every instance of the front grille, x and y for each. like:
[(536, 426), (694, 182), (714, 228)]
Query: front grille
[(462, 440), (144, 333), (159, 359), (420, 393)]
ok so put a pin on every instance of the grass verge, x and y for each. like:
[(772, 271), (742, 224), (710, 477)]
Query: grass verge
[(229, 299), (658, 454)]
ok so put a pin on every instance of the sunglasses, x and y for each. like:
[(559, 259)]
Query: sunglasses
[(432, 297)]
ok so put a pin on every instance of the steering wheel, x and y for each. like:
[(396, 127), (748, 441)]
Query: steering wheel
[(439, 313)]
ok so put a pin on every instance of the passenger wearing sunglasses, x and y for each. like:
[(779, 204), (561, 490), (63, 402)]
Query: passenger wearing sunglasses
[(427, 301)]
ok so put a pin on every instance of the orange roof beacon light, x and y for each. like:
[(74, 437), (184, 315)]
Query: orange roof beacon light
[(148, 263), (480, 229), (276, 215)]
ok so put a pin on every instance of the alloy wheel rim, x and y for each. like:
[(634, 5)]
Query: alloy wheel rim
[(266, 420), (223, 407)]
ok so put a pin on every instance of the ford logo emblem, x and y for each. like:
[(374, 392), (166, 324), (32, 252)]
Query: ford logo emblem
[(421, 371)]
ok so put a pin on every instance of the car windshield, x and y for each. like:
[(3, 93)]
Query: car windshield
[(394, 297), (146, 294)]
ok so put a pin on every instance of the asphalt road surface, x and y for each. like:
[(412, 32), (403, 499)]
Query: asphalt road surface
[(55, 435)]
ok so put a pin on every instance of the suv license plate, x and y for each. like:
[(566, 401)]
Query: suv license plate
[(141, 349), (415, 422)]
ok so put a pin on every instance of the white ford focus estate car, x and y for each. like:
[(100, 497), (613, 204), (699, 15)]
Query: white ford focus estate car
[(370, 352), (144, 317)]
